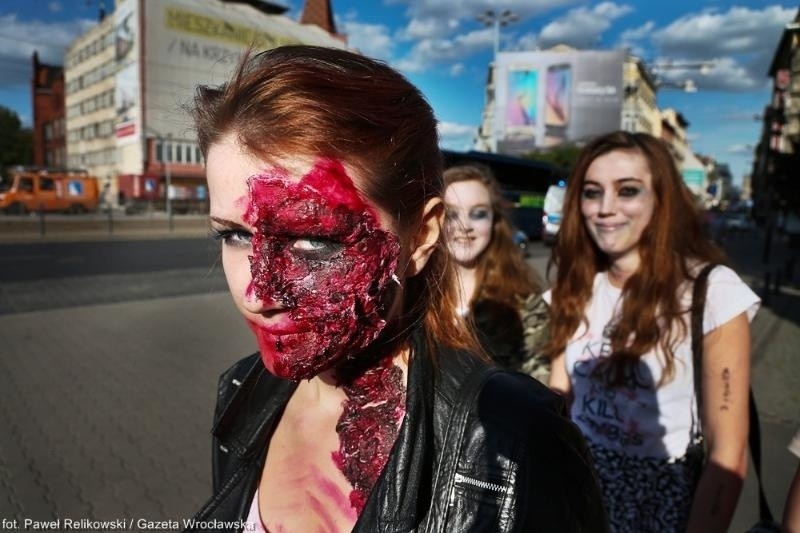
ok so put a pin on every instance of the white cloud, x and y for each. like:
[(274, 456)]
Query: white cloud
[(740, 149), (453, 129), (454, 136), (428, 53), (19, 40), (373, 40), (429, 28), (725, 74), (741, 41), (582, 27), (468, 9), (636, 34), (457, 69), (745, 39), (440, 31), (739, 30)]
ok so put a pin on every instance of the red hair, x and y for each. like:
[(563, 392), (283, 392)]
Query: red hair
[(652, 315)]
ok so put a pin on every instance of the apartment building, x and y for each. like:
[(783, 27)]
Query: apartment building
[(129, 78)]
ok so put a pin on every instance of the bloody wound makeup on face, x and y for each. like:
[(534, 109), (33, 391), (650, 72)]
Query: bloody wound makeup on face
[(322, 267)]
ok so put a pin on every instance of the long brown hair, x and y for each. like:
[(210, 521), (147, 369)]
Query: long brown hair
[(329, 102), (652, 315), (502, 274)]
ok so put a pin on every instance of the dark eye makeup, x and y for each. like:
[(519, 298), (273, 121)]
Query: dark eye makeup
[(315, 248), (237, 238)]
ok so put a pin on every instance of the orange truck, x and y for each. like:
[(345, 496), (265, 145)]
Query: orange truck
[(23, 190)]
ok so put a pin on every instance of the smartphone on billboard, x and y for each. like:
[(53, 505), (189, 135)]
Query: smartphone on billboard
[(557, 98), (522, 100)]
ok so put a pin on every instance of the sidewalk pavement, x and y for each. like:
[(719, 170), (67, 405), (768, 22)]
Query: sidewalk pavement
[(775, 366), (106, 408), (98, 226)]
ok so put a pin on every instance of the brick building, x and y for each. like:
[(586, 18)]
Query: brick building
[(49, 133)]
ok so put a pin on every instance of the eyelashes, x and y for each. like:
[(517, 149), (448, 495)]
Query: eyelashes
[(594, 193), (477, 214), (305, 247), (232, 237)]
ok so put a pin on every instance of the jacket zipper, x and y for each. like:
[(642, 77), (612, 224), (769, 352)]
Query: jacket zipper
[(494, 487)]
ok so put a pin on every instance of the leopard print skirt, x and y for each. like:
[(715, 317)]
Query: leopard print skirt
[(644, 494)]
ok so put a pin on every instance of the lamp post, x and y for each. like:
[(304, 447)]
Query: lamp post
[(497, 20), (168, 178), (688, 85)]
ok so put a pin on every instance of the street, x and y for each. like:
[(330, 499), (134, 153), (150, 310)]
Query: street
[(110, 352)]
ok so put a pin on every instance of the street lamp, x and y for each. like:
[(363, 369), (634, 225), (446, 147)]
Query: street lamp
[(497, 20), (688, 85)]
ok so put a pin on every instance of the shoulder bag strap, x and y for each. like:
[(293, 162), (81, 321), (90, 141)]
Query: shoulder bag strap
[(754, 435)]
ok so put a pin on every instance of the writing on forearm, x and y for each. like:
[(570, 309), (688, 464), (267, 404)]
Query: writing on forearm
[(726, 391)]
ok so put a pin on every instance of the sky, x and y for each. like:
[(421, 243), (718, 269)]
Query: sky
[(443, 49)]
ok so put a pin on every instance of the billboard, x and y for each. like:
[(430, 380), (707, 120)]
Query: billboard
[(126, 85), (545, 98), (199, 42)]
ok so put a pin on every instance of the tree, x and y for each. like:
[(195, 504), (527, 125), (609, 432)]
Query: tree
[(16, 142), (564, 155)]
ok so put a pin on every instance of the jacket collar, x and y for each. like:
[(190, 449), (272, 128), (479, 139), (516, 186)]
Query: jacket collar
[(247, 419)]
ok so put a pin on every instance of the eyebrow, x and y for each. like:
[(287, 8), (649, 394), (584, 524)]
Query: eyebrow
[(618, 181), (224, 222)]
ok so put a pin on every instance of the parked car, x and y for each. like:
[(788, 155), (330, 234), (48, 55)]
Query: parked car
[(551, 212)]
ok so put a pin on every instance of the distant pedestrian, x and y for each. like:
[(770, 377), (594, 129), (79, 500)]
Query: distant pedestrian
[(367, 408), (630, 246), (791, 510), (496, 289)]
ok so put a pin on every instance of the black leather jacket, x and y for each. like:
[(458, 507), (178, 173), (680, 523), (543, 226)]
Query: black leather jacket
[(479, 450)]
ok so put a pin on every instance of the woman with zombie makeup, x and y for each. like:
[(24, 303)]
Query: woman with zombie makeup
[(495, 288), (366, 408), (629, 249)]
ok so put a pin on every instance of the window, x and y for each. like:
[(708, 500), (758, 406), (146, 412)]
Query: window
[(47, 184), (26, 185)]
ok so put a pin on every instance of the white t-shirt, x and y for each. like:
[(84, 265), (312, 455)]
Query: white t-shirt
[(643, 419)]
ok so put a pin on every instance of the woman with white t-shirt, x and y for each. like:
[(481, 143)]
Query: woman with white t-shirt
[(629, 247)]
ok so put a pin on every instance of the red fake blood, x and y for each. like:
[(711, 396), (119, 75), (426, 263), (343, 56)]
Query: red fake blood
[(368, 427), (321, 265)]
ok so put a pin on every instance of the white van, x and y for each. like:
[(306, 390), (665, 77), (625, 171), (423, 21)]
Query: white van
[(551, 211)]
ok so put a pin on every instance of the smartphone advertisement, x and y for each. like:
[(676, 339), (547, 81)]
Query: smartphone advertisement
[(556, 100), (522, 104), (545, 98)]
